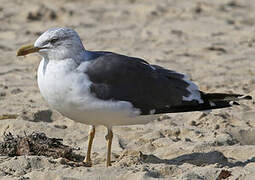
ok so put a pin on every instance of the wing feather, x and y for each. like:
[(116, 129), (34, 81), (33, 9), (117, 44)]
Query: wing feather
[(147, 87)]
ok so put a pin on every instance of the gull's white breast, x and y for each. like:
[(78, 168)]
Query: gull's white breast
[(65, 86)]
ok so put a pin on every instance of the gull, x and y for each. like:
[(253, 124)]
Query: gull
[(110, 89)]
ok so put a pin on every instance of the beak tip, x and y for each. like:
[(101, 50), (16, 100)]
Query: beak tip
[(18, 54), (27, 50)]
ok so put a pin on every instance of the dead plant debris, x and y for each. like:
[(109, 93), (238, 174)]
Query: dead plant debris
[(39, 144), (224, 174)]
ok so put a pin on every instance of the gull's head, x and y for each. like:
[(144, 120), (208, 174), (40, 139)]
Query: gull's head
[(55, 44)]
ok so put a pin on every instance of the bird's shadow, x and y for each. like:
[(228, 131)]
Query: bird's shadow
[(197, 158)]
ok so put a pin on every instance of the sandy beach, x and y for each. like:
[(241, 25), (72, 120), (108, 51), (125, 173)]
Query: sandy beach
[(211, 41)]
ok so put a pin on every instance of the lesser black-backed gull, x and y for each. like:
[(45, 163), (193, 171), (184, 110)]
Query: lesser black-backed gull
[(110, 89)]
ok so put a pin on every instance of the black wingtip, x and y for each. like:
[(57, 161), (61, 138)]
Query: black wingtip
[(248, 97)]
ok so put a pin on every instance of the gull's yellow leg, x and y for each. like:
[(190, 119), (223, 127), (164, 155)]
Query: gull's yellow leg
[(91, 137), (109, 137)]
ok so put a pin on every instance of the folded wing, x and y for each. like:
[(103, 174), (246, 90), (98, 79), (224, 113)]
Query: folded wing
[(150, 88)]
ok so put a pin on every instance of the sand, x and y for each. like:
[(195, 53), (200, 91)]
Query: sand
[(211, 41)]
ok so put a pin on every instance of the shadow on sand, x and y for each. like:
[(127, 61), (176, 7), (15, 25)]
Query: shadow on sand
[(197, 158)]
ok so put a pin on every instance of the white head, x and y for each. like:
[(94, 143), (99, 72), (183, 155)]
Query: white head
[(56, 44)]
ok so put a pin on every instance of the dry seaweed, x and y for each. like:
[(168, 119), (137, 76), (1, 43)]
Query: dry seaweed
[(38, 144), (224, 174)]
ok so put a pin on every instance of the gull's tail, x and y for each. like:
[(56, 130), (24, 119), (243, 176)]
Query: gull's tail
[(225, 97), (211, 101), (221, 100)]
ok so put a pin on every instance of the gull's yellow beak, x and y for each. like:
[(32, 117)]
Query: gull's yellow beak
[(24, 50)]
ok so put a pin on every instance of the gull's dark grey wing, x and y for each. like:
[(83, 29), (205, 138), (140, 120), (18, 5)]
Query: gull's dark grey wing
[(147, 87), (150, 88)]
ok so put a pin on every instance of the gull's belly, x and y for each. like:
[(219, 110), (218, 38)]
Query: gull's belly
[(68, 92)]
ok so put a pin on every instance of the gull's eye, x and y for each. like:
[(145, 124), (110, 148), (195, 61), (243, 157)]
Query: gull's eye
[(52, 41)]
